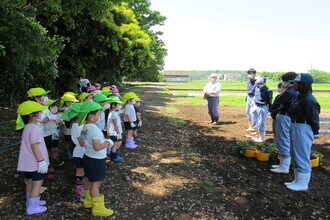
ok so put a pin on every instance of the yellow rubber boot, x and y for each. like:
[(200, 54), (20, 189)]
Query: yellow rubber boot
[(88, 199), (98, 207)]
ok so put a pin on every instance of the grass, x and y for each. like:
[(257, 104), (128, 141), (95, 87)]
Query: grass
[(172, 110), (176, 122)]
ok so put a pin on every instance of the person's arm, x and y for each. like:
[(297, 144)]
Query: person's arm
[(115, 124), (312, 115), (98, 146), (36, 151), (81, 141)]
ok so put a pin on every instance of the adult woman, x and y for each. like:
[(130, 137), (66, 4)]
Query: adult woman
[(211, 94), (304, 114)]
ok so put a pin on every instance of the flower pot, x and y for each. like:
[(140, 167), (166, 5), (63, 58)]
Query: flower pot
[(249, 153), (262, 156), (315, 162)]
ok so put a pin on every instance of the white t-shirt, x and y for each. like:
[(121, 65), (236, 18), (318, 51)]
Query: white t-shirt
[(50, 126), (110, 125), (78, 151), (129, 110), (89, 133), (101, 122), (213, 87)]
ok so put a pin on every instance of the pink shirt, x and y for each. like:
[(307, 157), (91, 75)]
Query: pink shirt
[(32, 134)]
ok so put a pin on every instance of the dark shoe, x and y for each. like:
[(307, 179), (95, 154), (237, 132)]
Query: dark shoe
[(136, 138)]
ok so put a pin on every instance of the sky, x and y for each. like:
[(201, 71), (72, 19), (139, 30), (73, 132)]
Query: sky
[(268, 35)]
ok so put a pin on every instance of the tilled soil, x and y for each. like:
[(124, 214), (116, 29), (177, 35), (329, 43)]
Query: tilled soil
[(182, 169)]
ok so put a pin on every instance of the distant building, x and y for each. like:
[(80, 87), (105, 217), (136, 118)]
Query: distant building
[(176, 76), (230, 76)]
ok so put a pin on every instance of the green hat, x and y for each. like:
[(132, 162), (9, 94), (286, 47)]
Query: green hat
[(27, 108), (72, 112), (37, 92), (115, 99), (107, 93), (87, 107), (100, 98)]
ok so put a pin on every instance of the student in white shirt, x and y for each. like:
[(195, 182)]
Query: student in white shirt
[(211, 94), (94, 158), (130, 119), (114, 128)]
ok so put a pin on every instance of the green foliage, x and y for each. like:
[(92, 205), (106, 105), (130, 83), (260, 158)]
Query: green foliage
[(103, 40), (241, 146), (316, 154)]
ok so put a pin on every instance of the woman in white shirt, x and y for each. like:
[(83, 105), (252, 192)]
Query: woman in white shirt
[(211, 94)]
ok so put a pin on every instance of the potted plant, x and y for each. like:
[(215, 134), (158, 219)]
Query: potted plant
[(316, 158), (268, 150), (241, 146)]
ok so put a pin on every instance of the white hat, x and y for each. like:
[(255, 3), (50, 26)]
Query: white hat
[(260, 79)]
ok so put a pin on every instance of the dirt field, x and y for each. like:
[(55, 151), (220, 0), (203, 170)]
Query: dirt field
[(183, 169)]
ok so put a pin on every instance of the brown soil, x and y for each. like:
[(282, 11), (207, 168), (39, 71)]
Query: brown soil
[(183, 169)]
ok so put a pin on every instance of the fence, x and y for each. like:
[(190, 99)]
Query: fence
[(324, 121)]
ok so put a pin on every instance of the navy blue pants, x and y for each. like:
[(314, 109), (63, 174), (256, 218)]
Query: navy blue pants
[(212, 104)]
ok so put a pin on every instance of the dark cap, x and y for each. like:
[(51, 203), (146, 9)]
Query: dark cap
[(252, 71), (304, 78), (289, 76)]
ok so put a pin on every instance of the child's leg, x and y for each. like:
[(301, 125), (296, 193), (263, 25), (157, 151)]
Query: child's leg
[(28, 185), (80, 172), (135, 132), (129, 134), (86, 183), (95, 188), (36, 186), (115, 147)]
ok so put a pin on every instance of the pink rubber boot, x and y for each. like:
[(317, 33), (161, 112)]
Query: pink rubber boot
[(80, 190), (130, 143)]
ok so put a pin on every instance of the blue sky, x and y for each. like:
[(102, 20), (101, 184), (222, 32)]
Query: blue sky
[(268, 35)]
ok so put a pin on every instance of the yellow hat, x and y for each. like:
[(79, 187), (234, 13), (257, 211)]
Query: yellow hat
[(50, 102), (70, 93), (130, 95), (67, 98), (37, 92), (27, 108), (105, 89), (138, 99), (83, 96)]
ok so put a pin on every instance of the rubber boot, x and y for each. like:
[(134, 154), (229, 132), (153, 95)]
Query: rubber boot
[(98, 207), (34, 207), (115, 157), (88, 199), (284, 166), (130, 143), (41, 202), (295, 178), (262, 137), (302, 182), (79, 190)]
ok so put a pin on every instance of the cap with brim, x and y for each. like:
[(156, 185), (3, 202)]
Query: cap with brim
[(71, 93), (129, 95), (100, 98), (114, 90), (67, 98), (87, 107), (304, 78), (51, 102), (26, 108), (115, 99), (107, 93), (72, 112), (105, 89), (138, 99), (37, 92), (83, 96), (260, 79)]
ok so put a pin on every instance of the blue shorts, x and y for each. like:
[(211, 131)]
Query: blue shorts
[(94, 169), (35, 176), (78, 162)]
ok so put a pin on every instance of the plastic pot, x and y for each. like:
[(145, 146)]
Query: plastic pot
[(262, 156), (315, 162), (249, 153)]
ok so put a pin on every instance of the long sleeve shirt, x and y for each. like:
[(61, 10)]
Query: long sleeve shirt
[(213, 88), (282, 103), (251, 86), (306, 109), (264, 96)]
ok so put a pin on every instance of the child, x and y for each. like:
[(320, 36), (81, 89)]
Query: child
[(104, 102), (130, 119), (114, 128), (91, 90), (66, 101), (51, 136), (138, 117), (38, 95), (115, 92), (85, 97), (98, 88), (263, 99), (33, 157), (94, 158), (79, 150)]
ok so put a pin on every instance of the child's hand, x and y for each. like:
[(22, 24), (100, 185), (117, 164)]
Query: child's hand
[(110, 142), (133, 125), (119, 136), (140, 123), (42, 167)]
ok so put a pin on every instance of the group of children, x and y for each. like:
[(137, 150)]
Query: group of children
[(92, 128), (295, 113)]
